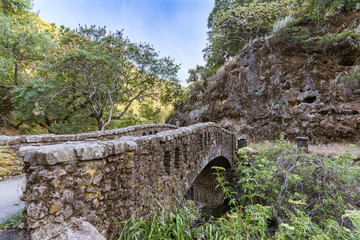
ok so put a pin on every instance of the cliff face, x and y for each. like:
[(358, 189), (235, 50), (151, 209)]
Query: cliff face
[(302, 87)]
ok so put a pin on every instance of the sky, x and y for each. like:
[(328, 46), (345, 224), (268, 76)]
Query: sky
[(175, 28)]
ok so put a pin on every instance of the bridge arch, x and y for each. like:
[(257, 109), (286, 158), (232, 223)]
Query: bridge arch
[(202, 190)]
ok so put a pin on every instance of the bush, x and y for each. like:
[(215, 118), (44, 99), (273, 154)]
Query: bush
[(303, 190), (279, 193), (233, 28)]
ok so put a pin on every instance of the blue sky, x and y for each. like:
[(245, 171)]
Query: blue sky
[(176, 28)]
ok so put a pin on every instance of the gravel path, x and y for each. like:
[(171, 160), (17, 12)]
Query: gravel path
[(10, 191)]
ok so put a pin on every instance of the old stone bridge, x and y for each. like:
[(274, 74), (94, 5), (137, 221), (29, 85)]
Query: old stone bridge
[(77, 184)]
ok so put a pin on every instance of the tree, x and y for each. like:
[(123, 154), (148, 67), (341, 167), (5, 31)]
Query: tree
[(197, 74), (22, 46), (234, 23), (105, 72), (14, 7)]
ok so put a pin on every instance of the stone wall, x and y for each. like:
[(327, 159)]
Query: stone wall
[(101, 182), (50, 139), (10, 145)]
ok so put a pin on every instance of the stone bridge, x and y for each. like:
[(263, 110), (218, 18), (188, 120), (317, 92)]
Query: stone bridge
[(77, 187)]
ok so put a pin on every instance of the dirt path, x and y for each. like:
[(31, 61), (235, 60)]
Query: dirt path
[(334, 149), (10, 204), (10, 191)]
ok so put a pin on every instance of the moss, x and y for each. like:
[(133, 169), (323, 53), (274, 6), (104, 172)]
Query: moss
[(8, 163)]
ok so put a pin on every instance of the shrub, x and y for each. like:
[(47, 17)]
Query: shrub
[(280, 193), (301, 188)]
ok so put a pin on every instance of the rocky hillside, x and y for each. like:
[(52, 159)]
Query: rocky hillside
[(302, 81)]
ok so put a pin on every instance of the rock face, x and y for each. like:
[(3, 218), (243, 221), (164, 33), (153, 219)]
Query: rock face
[(280, 84), (73, 186)]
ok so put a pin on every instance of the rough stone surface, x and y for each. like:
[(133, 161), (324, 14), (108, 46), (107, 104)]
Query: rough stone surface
[(74, 229), (280, 85), (103, 182), (13, 148)]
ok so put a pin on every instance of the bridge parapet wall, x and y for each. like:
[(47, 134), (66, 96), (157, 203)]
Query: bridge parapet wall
[(51, 139), (10, 145), (102, 182)]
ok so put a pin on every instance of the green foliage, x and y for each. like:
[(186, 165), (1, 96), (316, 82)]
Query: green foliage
[(13, 221), (279, 193), (64, 77), (226, 190), (176, 225), (249, 222), (40, 102), (304, 191), (22, 46), (14, 7), (300, 34), (233, 23), (107, 72), (323, 7), (97, 75), (198, 74), (354, 75), (330, 39), (354, 216), (242, 152)]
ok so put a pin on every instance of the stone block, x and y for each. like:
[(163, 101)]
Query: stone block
[(91, 151), (74, 229), (51, 155)]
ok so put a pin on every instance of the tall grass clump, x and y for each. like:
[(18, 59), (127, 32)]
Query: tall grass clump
[(176, 225), (282, 23)]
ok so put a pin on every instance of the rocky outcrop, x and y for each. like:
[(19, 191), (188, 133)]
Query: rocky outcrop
[(283, 84)]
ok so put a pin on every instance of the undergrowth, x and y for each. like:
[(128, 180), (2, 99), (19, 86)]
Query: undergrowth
[(13, 221), (278, 193)]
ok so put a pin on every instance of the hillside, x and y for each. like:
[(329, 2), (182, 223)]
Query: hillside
[(302, 80)]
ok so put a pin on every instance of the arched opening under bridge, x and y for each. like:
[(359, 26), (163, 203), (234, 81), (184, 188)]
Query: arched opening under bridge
[(203, 191)]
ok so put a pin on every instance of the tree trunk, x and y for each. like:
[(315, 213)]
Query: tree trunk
[(101, 124), (16, 74), (74, 96)]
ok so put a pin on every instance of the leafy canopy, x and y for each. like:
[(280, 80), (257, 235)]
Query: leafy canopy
[(22, 46), (100, 71), (14, 7)]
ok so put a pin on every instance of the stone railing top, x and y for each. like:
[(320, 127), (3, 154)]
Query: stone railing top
[(48, 138), (92, 150)]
